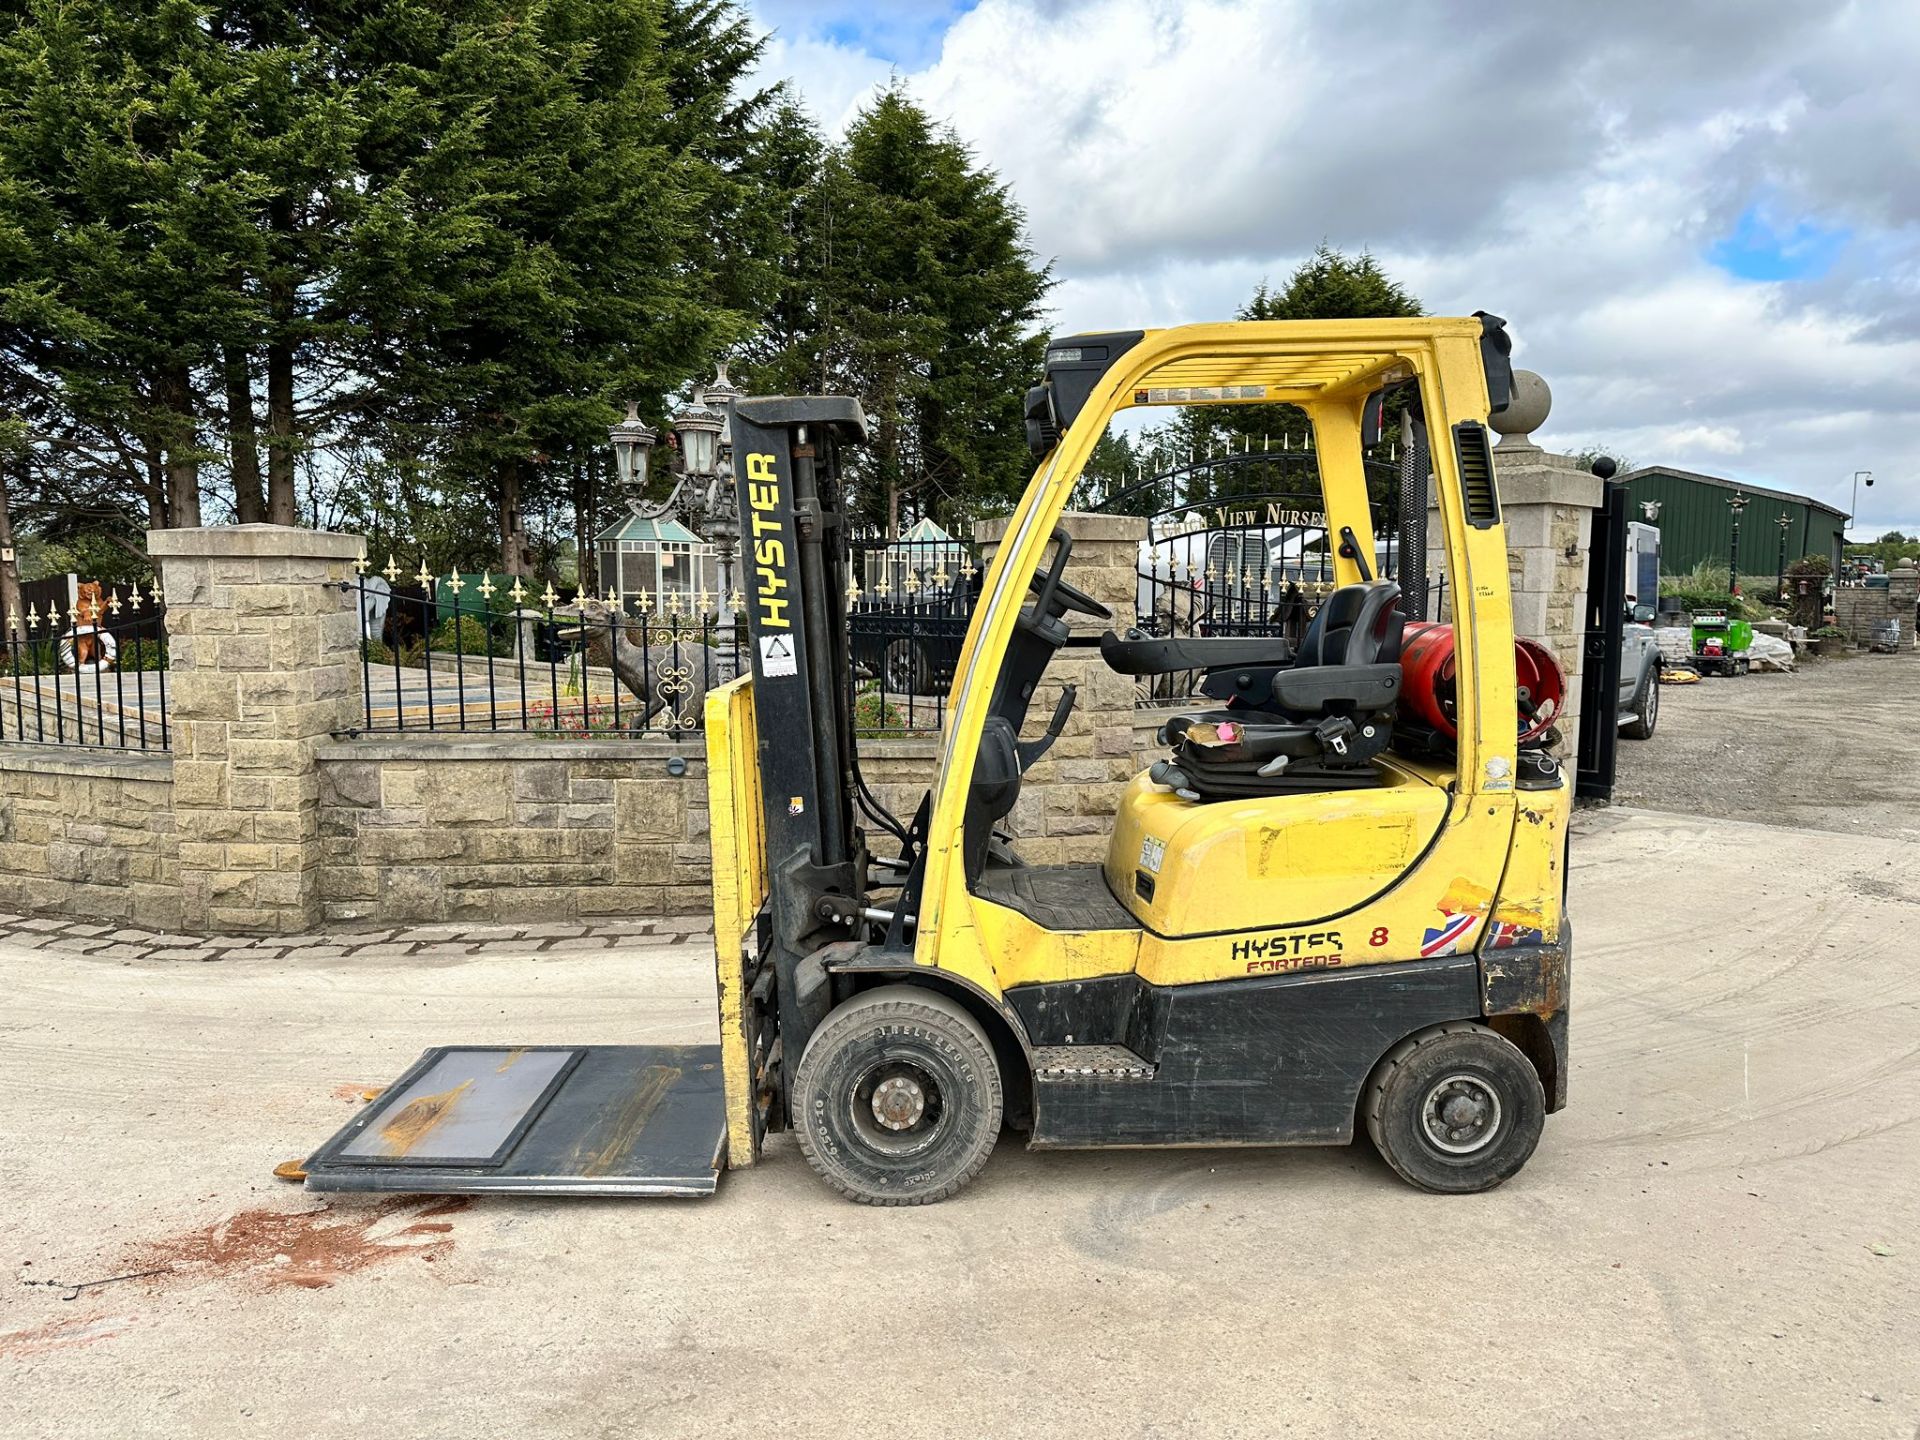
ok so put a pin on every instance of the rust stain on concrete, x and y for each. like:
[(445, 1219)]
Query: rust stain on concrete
[(303, 1249), (65, 1332)]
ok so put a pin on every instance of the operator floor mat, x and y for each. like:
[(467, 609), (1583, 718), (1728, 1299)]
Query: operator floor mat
[(1058, 897)]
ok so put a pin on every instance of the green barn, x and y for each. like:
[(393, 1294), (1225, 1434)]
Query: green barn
[(1696, 521)]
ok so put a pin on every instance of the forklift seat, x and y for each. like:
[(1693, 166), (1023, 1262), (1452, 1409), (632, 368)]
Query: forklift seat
[(1322, 720)]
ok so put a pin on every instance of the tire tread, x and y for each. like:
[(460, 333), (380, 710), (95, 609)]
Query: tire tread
[(905, 1002)]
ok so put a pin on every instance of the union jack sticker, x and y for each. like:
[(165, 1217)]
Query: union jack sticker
[(1449, 935), (1504, 935)]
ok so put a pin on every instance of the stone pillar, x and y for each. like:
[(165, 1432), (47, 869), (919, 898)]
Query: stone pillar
[(263, 660), (1903, 602), (1068, 800), (1547, 502)]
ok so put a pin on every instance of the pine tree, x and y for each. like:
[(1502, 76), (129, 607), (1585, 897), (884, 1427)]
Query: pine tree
[(1327, 286), (912, 287), (122, 220), (549, 188)]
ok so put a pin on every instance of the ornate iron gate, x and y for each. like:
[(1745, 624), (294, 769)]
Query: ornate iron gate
[(1237, 543)]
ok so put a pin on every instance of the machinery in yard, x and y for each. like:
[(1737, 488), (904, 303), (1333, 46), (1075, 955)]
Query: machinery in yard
[(1304, 925), (1720, 644)]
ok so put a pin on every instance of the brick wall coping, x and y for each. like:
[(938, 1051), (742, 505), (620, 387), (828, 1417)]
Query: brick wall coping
[(255, 541), (95, 764), (915, 747)]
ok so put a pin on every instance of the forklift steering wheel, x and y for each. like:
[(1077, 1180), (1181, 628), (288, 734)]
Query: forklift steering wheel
[(1049, 587)]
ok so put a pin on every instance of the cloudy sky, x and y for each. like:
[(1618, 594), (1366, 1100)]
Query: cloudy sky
[(1699, 220)]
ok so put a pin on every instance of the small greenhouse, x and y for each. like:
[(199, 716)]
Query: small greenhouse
[(924, 559), (658, 558)]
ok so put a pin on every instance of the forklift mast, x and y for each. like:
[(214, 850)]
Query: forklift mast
[(794, 542)]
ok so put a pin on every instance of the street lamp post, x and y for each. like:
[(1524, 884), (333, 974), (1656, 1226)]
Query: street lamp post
[(1853, 505), (723, 521), (1737, 502), (1785, 522), (703, 495), (633, 441)]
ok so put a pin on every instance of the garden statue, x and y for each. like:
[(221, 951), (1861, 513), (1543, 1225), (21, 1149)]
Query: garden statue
[(671, 674), (375, 596), (88, 646)]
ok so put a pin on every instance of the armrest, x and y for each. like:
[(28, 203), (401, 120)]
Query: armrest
[(1148, 655), (1364, 687)]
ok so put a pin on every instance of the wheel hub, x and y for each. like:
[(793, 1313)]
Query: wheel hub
[(898, 1103), (1461, 1114)]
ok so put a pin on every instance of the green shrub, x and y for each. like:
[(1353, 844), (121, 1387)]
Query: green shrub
[(873, 715), (462, 634), (375, 652), (1693, 600), (1829, 632), (147, 655)]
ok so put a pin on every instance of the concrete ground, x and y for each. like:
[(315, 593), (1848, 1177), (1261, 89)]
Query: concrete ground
[(1720, 1237), (1828, 747)]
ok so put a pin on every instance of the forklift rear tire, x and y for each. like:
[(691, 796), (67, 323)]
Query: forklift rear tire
[(898, 1100), (1455, 1109)]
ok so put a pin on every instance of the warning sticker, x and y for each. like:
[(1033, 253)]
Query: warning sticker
[(776, 655), (1191, 394)]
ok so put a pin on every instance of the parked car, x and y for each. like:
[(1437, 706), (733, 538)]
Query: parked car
[(910, 650), (1639, 709)]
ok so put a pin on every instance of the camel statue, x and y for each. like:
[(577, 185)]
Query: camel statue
[(664, 676)]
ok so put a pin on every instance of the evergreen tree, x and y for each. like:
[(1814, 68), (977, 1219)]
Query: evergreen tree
[(439, 239), (912, 287), (549, 194), (122, 220)]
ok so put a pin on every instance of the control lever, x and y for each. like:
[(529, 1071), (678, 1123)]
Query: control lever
[(1031, 750)]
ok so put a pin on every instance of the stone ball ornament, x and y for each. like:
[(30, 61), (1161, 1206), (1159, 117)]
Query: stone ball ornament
[(1526, 411)]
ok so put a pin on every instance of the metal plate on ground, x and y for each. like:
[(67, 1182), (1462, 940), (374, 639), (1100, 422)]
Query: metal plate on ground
[(538, 1120)]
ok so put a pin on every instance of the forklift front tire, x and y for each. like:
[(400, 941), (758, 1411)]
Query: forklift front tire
[(1455, 1109), (898, 1098)]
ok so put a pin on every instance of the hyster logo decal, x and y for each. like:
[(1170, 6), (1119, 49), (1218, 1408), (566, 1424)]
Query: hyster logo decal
[(769, 544), (1309, 950)]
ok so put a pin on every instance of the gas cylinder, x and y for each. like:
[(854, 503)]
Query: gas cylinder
[(1428, 680)]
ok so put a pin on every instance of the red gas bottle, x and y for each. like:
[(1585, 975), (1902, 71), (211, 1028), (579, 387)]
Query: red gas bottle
[(1428, 680)]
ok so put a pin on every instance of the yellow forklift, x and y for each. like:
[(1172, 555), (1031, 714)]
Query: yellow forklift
[(1337, 899)]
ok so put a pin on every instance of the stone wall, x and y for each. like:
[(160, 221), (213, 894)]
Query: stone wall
[(503, 829), (1068, 799), (1858, 608), (263, 821), (89, 833)]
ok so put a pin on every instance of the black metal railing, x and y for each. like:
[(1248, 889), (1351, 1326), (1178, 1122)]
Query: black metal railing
[(909, 602), (1238, 545), (460, 653), (469, 655), (92, 674)]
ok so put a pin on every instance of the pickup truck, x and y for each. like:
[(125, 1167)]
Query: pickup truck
[(1639, 707)]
